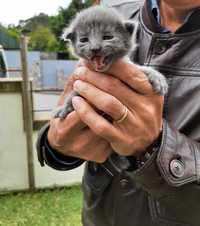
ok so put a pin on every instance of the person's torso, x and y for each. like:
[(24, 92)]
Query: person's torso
[(117, 200)]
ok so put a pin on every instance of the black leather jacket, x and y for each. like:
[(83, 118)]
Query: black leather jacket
[(165, 190)]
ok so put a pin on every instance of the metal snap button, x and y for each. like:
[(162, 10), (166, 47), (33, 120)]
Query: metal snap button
[(160, 48), (124, 183), (177, 168)]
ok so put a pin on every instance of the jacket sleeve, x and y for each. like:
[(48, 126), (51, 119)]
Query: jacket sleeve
[(176, 164), (47, 155)]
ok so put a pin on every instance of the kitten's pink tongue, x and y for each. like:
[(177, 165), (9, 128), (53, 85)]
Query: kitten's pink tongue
[(98, 62)]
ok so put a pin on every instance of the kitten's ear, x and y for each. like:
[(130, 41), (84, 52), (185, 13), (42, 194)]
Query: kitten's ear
[(131, 26), (68, 34)]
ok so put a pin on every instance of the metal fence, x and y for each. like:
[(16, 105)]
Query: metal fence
[(48, 79)]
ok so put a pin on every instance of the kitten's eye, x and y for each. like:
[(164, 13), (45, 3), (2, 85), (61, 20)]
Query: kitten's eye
[(84, 39), (108, 37)]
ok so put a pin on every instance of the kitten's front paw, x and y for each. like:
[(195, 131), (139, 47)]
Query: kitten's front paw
[(65, 111), (157, 80), (56, 112), (159, 84), (62, 112)]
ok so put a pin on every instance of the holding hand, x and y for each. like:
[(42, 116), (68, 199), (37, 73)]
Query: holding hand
[(127, 97), (72, 137), (124, 94)]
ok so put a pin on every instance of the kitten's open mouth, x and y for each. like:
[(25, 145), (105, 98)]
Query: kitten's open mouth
[(100, 63)]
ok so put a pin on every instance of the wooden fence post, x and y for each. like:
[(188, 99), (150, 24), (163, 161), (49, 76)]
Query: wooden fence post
[(28, 119)]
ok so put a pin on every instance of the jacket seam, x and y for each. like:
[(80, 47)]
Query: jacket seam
[(183, 72), (157, 218), (166, 98), (197, 163)]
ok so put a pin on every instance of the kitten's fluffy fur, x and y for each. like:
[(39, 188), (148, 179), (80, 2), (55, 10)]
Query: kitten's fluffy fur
[(103, 32), (101, 36)]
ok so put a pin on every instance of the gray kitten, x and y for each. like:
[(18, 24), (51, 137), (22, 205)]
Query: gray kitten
[(101, 36)]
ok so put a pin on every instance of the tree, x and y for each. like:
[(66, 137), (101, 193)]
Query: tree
[(43, 39), (32, 23), (45, 31), (14, 32), (64, 17)]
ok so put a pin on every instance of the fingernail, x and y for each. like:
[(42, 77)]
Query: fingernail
[(78, 85), (80, 70), (76, 102)]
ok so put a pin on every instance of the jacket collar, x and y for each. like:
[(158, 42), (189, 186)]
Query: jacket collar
[(191, 24)]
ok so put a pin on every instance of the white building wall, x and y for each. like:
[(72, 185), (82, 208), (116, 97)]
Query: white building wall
[(13, 153)]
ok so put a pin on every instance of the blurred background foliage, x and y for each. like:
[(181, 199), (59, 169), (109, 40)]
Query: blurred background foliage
[(44, 31)]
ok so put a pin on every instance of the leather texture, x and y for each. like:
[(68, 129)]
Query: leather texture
[(165, 191)]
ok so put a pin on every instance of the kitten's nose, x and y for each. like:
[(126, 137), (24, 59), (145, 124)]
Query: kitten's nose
[(96, 49)]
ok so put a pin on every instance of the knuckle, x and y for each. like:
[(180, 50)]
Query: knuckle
[(81, 72), (89, 157), (111, 85), (81, 146), (152, 131), (83, 111), (108, 87), (84, 145), (60, 134), (108, 103), (130, 142), (101, 159), (75, 148), (85, 70), (100, 155), (153, 136), (115, 83), (151, 111), (100, 129)]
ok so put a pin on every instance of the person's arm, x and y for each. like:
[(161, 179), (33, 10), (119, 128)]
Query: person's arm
[(51, 157), (66, 144)]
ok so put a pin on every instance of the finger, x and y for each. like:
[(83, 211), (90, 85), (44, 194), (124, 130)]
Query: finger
[(132, 76), (101, 100), (96, 123), (109, 84), (72, 122)]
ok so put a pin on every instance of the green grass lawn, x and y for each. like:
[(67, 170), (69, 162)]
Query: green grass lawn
[(59, 207)]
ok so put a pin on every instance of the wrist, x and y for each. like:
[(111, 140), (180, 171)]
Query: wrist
[(50, 156), (56, 153), (51, 137)]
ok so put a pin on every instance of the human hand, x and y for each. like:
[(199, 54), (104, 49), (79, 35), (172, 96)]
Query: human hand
[(72, 137), (125, 86)]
